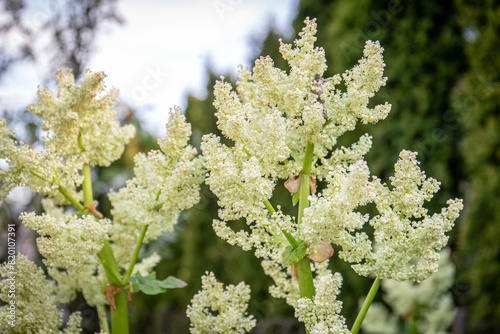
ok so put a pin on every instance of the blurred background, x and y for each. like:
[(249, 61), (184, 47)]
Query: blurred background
[(444, 86)]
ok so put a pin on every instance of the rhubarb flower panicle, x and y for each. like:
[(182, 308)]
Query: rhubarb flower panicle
[(406, 239), (67, 241), (166, 182), (82, 120), (273, 116), (285, 125), (216, 309), (81, 128)]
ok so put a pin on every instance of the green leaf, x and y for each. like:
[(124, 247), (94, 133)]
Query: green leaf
[(295, 198), (293, 255), (151, 286)]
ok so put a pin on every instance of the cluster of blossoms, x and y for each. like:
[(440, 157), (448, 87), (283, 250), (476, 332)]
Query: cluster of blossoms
[(429, 302), (81, 128), (322, 313), (166, 182), (81, 132), (285, 126), (216, 309), (36, 305), (67, 241), (407, 240)]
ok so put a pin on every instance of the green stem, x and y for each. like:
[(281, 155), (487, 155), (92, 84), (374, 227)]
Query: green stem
[(308, 157), (109, 264), (40, 176), (287, 235), (87, 186), (366, 305), (119, 318), (304, 190), (304, 274), (61, 189), (103, 318), (136, 254), (70, 198)]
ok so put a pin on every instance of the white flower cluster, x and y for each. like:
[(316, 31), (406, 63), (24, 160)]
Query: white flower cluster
[(89, 280), (274, 114), (406, 239), (216, 309), (322, 314), (276, 121), (35, 301), (429, 301), (82, 120), (67, 241), (43, 171), (81, 128), (331, 216), (166, 182), (272, 117)]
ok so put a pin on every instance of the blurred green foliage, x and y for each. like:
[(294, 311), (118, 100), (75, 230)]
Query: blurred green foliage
[(476, 101)]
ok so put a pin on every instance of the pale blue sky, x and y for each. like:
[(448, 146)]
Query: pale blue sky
[(160, 53)]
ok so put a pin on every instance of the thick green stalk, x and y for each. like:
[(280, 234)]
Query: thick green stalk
[(110, 266), (308, 157), (136, 254), (304, 191), (304, 274), (87, 186), (119, 318), (366, 305)]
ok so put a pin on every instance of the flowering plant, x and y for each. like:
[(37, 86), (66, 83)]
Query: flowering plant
[(83, 251), (282, 126), (286, 126)]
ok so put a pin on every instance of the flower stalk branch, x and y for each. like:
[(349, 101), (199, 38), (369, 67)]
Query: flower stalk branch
[(366, 305), (293, 242), (136, 254)]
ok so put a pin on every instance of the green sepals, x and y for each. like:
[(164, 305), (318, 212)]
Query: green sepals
[(151, 286), (295, 198), (293, 255)]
